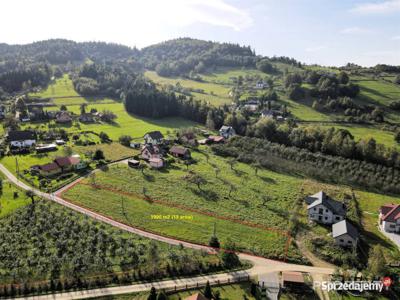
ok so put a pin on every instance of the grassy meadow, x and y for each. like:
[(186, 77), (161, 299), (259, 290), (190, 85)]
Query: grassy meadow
[(7, 202), (215, 94), (363, 132)]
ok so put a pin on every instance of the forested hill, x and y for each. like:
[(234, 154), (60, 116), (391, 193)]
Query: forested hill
[(179, 56), (60, 51)]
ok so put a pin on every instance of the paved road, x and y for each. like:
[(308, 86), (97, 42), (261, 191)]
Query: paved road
[(260, 265)]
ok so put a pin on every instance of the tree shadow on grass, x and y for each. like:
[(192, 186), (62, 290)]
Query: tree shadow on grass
[(267, 179), (206, 194), (149, 177)]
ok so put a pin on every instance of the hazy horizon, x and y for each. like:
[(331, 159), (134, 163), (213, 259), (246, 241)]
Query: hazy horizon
[(331, 33)]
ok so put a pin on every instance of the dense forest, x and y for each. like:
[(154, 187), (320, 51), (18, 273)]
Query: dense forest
[(185, 55)]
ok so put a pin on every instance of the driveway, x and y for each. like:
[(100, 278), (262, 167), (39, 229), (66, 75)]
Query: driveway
[(394, 237)]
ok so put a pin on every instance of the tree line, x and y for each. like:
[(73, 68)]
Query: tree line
[(328, 168)]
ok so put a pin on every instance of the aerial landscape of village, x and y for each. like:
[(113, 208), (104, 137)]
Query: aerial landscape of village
[(200, 150)]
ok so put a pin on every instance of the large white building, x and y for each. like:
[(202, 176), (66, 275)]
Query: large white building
[(21, 138), (325, 210)]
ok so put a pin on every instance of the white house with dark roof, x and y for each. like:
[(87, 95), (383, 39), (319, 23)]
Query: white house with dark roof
[(227, 131), (345, 234), (389, 218), (21, 138), (153, 137), (323, 209)]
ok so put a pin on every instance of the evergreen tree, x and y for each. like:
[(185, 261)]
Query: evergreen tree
[(153, 294), (207, 291)]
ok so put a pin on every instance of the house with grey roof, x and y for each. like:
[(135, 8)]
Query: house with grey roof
[(154, 138), (227, 131), (345, 234), (323, 209)]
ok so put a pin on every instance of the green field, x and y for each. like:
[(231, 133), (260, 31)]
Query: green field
[(7, 202), (260, 200), (215, 94), (61, 87), (266, 199), (364, 132)]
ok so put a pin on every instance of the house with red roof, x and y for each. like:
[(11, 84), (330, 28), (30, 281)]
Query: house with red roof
[(389, 217)]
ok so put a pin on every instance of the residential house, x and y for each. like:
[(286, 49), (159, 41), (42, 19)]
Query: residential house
[(134, 145), (151, 151), (156, 163), (261, 85), (63, 117), (61, 165), (389, 218), (215, 139), (67, 163), (41, 148), (345, 234), (86, 118), (227, 131), (251, 105), (21, 138), (272, 113), (154, 137), (133, 163), (78, 163), (180, 152), (325, 210), (49, 169)]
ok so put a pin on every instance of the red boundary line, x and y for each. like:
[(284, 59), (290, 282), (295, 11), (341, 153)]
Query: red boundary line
[(232, 219)]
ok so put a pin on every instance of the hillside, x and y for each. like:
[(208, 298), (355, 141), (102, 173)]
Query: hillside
[(180, 56)]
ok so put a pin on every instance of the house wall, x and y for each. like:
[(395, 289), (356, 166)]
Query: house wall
[(156, 165), (391, 226), (321, 214), (345, 240), (149, 140), (25, 143)]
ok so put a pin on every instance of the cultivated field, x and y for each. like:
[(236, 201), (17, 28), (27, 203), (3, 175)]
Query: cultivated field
[(267, 199)]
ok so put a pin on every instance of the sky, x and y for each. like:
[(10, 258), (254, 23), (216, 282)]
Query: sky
[(327, 32)]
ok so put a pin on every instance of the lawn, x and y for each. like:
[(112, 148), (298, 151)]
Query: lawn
[(215, 94), (7, 202)]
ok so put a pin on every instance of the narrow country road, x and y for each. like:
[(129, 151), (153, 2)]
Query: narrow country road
[(260, 265)]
